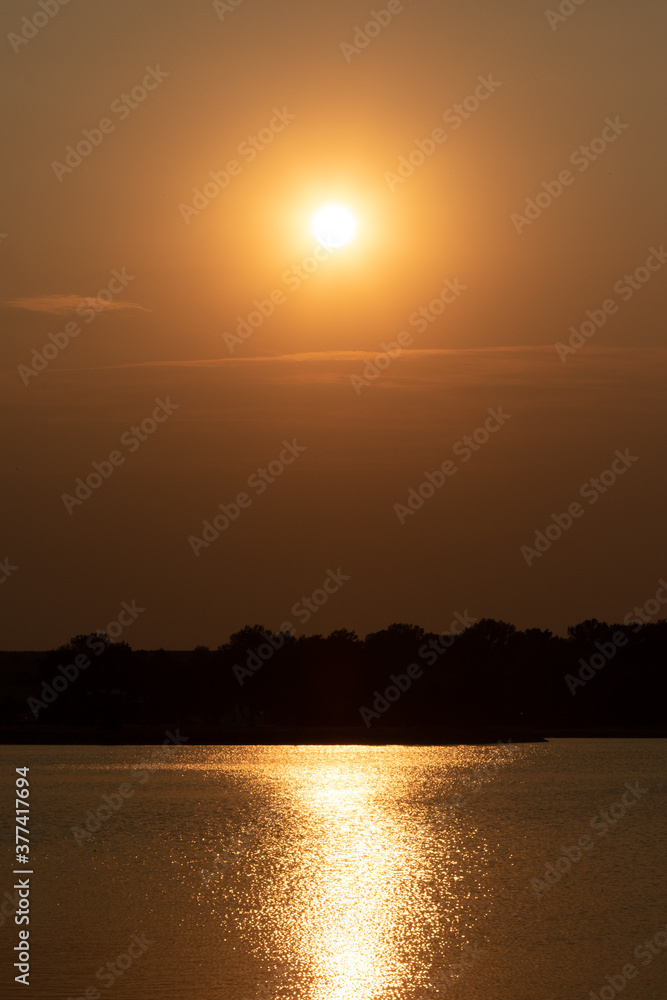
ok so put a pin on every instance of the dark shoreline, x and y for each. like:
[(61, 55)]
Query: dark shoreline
[(35, 735), (265, 736)]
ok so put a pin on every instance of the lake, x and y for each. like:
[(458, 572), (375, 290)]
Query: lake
[(530, 872)]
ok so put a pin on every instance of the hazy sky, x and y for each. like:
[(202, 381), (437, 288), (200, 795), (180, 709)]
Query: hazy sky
[(504, 163)]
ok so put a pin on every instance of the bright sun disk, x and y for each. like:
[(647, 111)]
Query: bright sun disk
[(333, 226)]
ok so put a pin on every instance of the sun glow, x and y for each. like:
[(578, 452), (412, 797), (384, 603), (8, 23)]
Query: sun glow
[(333, 226)]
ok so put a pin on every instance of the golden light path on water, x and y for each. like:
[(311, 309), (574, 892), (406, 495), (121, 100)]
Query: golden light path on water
[(351, 904), (328, 873), (358, 887)]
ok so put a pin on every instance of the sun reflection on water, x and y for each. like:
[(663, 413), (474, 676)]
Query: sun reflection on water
[(372, 894), (359, 882)]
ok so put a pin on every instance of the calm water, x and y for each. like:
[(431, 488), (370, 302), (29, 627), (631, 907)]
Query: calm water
[(343, 873)]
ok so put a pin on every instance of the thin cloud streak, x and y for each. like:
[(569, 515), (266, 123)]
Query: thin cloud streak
[(541, 353), (63, 305)]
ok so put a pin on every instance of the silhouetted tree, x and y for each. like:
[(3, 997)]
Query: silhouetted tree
[(488, 675)]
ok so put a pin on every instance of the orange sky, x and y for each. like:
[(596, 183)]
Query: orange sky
[(136, 286)]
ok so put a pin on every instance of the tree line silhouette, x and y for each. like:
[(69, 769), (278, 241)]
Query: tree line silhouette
[(488, 675)]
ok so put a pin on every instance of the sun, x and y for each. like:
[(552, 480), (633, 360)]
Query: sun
[(333, 226)]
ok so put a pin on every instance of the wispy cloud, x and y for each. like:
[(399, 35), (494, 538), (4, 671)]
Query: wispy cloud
[(605, 371), (61, 305)]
